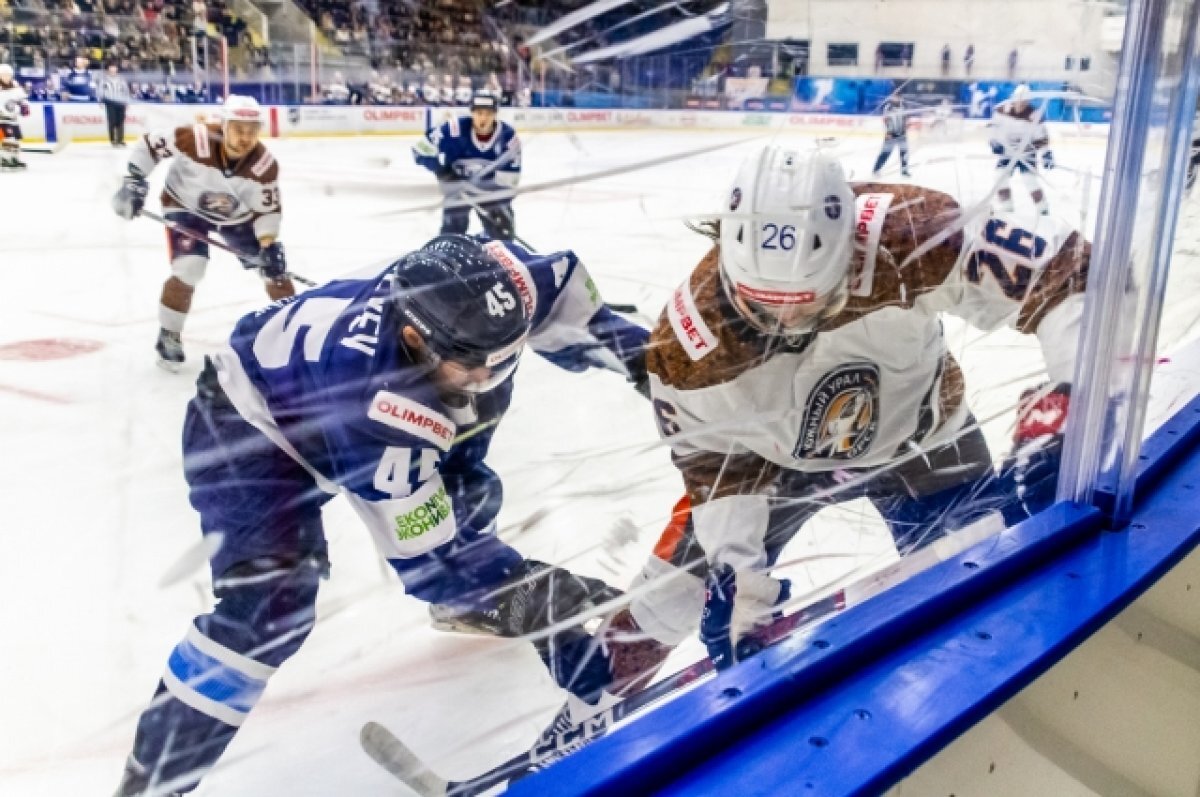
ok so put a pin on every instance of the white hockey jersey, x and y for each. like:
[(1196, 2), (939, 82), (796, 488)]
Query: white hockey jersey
[(1020, 133), (202, 180), (12, 101), (877, 381)]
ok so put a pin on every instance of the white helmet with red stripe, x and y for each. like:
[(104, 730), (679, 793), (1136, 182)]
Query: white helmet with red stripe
[(239, 108), (787, 239)]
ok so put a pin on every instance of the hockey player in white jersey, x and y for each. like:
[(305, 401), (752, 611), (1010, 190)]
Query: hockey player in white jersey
[(384, 387), (221, 179), (13, 105), (1018, 137), (803, 364)]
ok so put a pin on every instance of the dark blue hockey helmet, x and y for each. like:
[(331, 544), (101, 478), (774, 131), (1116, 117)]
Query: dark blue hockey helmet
[(465, 305)]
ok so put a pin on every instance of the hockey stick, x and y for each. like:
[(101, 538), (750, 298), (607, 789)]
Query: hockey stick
[(199, 236), (393, 755), (499, 196), (45, 149)]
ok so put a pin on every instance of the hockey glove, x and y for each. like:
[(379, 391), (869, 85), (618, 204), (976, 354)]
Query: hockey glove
[(734, 604), (274, 265), (1037, 444), (533, 597), (1047, 159), (997, 148), (131, 196)]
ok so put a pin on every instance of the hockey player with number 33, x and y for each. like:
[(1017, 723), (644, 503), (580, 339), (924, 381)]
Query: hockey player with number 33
[(384, 387), (221, 180)]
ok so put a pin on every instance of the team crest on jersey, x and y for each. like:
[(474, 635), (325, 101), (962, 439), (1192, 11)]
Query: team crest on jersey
[(833, 207), (841, 415), (218, 203)]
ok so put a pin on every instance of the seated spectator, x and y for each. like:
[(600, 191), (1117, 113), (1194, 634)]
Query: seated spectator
[(431, 92), (337, 92), (464, 92)]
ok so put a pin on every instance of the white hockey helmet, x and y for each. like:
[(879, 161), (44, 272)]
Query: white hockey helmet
[(1020, 93), (787, 239), (6, 72), (239, 108)]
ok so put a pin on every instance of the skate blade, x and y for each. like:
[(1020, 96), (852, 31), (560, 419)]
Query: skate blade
[(452, 627), (168, 365)]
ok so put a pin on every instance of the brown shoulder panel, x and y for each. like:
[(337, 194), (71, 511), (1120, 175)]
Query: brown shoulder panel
[(733, 354), (916, 217), (1066, 274), (708, 475), (204, 152), (259, 165)]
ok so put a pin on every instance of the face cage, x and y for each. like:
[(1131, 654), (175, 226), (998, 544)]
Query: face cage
[(765, 320), (496, 373)]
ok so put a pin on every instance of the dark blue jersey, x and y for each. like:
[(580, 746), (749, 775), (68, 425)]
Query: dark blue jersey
[(77, 84), (492, 163), (325, 377)]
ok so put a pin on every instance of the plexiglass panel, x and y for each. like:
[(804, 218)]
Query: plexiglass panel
[(764, 308)]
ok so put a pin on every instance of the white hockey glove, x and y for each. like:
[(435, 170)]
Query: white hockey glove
[(131, 196), (735, 604)]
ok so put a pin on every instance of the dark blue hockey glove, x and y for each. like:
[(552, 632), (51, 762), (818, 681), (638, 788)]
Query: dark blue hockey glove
[(1047, 160), (1037, 444), (131, 196), (274, 264), (724, 628), (997, 148)]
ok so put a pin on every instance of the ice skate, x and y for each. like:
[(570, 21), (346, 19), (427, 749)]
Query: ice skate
[(170, 350)]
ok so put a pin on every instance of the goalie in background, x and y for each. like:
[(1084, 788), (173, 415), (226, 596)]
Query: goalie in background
[(474, 155), (1018, 137)]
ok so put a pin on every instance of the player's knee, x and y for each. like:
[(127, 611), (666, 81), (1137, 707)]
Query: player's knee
[(189, 269), (666, 601), (267, 606)]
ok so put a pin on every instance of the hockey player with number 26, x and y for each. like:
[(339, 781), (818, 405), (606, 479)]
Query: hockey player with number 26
[(385, 387), (803, 364)]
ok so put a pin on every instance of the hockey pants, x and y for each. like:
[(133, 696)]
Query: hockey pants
[(497, 219), (885, 152)]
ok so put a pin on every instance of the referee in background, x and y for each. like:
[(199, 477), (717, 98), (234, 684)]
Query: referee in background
[(114, 93), (895, 135)]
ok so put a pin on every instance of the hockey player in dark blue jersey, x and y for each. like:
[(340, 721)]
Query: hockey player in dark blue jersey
[(386, 388), (478, 154), (77, 84)]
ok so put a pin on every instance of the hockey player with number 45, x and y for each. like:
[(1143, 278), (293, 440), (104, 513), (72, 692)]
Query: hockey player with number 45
[(803, 364), (13, 106), (221, 180), (384, 387)]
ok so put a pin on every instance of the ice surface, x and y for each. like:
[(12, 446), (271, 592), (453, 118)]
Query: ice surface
[(100, 573)]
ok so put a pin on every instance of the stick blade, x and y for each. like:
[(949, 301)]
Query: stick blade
[(394, 756)]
